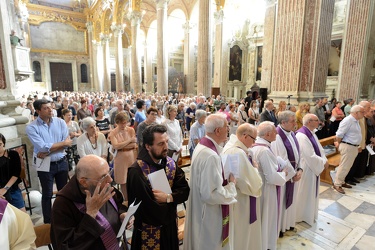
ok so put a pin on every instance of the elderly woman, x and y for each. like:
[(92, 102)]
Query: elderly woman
[(242, 115), (74, 133), (91, 141), (123, 139), (174, 132), (197, 130), (189, 115)]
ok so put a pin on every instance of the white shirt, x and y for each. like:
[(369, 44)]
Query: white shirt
[(349, 130), (175, 134)]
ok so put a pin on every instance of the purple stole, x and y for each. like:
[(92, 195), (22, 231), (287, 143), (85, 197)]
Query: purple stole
[(278, 170), (224, 208), (150, 233), (3, 205), (304, 130), (109, 236), (253, 201), (289, 186)]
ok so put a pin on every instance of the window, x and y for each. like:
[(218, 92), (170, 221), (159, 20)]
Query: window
[(84, 73), (37, 71)]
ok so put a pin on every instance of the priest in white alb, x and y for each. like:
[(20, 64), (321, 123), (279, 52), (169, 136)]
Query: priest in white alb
[(274, 172), (207, 213), (313, 161), (245, 221), (286, 146)]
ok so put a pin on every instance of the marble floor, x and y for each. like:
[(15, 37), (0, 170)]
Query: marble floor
[(344, 222)]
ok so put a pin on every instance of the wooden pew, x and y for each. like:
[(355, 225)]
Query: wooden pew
[(184, 161), (333, 158)]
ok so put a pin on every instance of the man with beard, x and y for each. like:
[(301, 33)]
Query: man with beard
[(155, 224), (86, 213)]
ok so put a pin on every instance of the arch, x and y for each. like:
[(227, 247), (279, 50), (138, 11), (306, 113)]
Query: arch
[(107, 21)]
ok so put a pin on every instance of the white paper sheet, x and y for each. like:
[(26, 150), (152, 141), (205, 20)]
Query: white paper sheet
[(333, 118), (40, 164), (132, 209), (175, 156), (370, 150), (231, 165), (158, 181)]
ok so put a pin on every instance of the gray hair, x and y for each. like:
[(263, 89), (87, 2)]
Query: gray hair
[(307, 118), (284, 116), (355, 108), (267, 103), (86, 122), (199, 113), (241, 106), (264, 128), (214, 121), (193, 105)]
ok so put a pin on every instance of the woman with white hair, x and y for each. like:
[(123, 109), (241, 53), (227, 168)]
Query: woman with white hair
[(190, 115), (197, 130), (91, 141), (242, 115)]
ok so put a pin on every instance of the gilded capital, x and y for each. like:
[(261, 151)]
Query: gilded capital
[(117, 29), (219, 16), (161, 4), (135, 17), (89, 26)]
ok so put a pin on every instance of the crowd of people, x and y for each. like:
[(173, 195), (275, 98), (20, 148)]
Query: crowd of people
[(122, 138)]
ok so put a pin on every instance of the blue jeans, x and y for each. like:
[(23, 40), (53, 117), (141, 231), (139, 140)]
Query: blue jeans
[(59, 172)]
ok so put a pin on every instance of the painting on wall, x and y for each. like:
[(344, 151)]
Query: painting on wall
[(259, 63), (175, 81), (235, 67)]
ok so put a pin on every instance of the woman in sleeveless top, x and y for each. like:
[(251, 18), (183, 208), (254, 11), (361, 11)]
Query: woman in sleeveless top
[(253, 113)]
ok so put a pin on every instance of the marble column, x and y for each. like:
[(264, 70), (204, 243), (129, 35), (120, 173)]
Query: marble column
[(135, 79), (98, 66), (127, 68), (188, 59), (162, 53), (301, 49), (268, 44), (218, 76), (106, 60), (354, 49), (118, 30), (204, 62), (147, 64), (89, 27)]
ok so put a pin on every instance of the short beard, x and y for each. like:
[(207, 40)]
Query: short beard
[(158, 156)]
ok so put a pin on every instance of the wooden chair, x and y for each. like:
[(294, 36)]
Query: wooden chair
[(333, 158), (43, 237)]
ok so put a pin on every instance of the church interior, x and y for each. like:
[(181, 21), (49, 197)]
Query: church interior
[(300, 49)]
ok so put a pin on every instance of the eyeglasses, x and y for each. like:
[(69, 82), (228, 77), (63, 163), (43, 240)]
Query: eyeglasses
[(250, 137), (314, 120), (109, 174)]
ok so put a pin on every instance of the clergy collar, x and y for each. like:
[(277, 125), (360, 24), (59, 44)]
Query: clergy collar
[(218, 147), (286, 131)]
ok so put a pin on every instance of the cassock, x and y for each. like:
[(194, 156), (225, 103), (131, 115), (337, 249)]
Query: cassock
[(16, 228), (244, 235), (308, 191), (72, 228), (269, 201), (155, 224), (203, 221), (287, 215)]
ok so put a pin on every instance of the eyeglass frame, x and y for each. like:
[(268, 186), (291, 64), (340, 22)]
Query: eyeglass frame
[(110, 172), (251, 137)]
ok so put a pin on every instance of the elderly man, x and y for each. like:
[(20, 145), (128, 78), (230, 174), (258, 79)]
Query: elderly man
[(313, 161), (197, 130), (274, 173), (319, 112), (207, 219), (245, 226), (348, 138), (114, 112), (86, 213), (155, 220), (286, 146), (268, 114)]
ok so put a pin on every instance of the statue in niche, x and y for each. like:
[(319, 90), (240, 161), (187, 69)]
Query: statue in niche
[(14, 40), (235, 68)]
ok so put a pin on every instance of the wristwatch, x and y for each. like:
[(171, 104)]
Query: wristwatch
[(6, 188), (168, 198)]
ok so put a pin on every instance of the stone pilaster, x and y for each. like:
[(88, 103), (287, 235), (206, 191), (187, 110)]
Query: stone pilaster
[(355, 48), (147, 64), (106, 61), (127, 68), (89, 27), (188, 59), (301, 49), (118, 30), (135, 81), (268, 44), (98, 66), (162, 53), (204, 63), (218, 76)]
